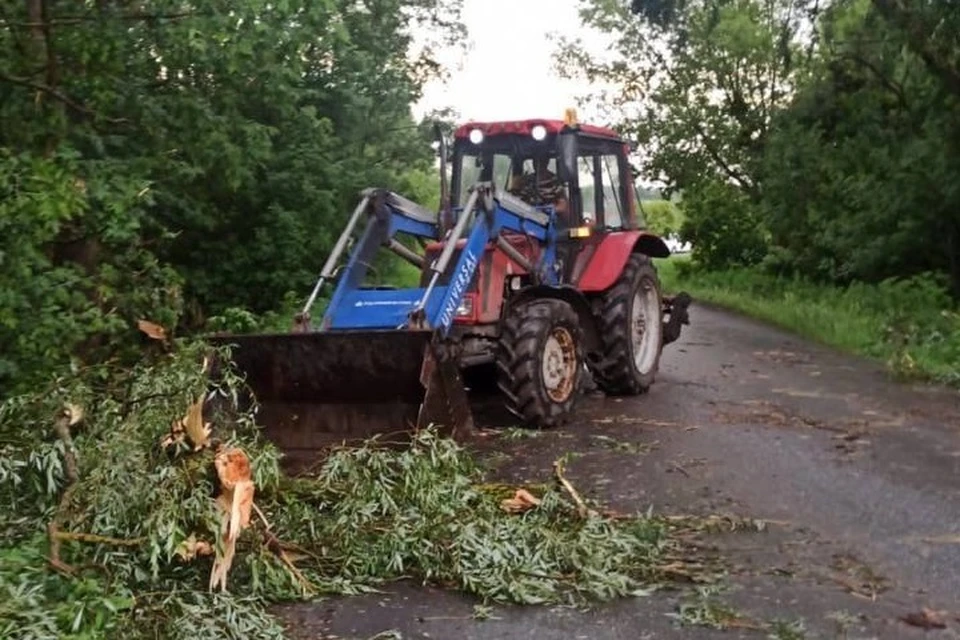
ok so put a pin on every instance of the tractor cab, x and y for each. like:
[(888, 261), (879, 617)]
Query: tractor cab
[(580, 173)]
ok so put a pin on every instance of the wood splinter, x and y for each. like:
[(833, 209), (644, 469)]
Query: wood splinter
[(582, 508)]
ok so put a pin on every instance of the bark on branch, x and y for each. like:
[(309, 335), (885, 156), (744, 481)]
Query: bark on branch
[(75, 20), (62, 428), (59, 96)]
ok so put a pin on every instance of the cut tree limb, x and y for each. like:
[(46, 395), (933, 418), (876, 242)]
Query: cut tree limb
[(93, 538), (581, 505), (70, 416)]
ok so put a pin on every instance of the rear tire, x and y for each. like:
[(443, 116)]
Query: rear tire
[(631, 330), (540, 362)]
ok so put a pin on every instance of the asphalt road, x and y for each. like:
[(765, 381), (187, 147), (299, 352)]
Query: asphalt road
[(858, 476)]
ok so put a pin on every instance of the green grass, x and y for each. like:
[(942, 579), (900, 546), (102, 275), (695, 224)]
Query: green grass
[(912, 325)]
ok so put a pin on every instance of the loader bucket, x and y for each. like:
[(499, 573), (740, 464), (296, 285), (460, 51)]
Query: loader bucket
[(328, 388)]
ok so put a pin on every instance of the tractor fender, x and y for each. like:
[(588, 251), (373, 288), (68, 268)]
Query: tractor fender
[(571, 296), (607, 261)]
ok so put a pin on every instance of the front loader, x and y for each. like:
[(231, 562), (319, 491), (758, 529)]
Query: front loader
[(535, 273)]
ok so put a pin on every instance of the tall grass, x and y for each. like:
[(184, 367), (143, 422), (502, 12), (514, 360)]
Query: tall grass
[(911, 324)]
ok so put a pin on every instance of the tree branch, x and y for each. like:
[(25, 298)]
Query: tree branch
[(885, 81), (918, 40), (62, 428), (75, 20), (93, 538), (745, 182), (58, 95)]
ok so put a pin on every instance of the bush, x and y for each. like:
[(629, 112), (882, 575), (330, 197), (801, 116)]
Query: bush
[(69, 295), (663, 217), (723, 226)]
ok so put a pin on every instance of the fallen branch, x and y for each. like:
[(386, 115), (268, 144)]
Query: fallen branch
[(678, 467), (68, 417), (582, 508), (93, 538), (276, 547)]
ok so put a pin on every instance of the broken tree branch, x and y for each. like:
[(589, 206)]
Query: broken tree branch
[(62, 428), (93, 538), (582, 508), (276, 546)]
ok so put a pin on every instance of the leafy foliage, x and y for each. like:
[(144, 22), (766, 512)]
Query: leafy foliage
[(174, 160), (723, 225), (663, 217), (126, 511), (830, 128)]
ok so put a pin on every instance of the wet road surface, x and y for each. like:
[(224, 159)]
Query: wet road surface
[(857, 476)]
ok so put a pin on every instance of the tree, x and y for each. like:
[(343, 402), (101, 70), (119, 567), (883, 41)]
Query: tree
[(822, 135), (170, 160), (697, 84)]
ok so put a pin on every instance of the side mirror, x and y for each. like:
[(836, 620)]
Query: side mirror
[(568, 150)]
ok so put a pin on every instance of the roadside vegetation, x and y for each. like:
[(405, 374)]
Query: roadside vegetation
[(184, 162), (812, 148), (911, 325)]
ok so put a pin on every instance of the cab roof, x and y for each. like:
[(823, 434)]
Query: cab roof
[(525, 127)]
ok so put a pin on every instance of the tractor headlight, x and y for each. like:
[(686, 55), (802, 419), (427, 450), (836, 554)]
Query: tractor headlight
[(476, 136), (465, 310), (539, 132)]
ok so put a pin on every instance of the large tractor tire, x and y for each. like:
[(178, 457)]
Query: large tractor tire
[(630, 322), (540, 362)]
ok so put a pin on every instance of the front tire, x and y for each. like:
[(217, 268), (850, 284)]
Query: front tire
[(540, 362), (631, 330)]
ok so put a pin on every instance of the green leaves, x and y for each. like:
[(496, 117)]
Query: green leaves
[(370, 515), (818, 139), (382, 514), (174, 161)]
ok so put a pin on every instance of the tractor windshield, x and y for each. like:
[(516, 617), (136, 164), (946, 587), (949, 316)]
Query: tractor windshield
[(527, 168), (471, 171), (532, 179)]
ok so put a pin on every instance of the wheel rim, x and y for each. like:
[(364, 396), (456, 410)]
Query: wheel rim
[(559, 364), (645, 326)]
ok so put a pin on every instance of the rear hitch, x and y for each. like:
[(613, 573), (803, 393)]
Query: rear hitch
[(675, 309)]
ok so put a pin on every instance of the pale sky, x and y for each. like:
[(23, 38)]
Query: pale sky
[(508, 72)]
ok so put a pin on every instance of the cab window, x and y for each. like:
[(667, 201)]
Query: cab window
[(613, 192)]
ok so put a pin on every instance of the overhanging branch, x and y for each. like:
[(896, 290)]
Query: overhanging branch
[(75, 20), (58, 95), (918, 39)]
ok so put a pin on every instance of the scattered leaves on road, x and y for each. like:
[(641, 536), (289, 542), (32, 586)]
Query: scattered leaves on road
[(926, 619), (612, 443)]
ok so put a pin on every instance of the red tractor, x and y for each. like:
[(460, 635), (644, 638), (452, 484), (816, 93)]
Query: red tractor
[(537, 274)]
